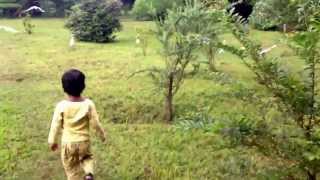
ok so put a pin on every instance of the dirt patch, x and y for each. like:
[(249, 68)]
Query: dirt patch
[(14, 77)]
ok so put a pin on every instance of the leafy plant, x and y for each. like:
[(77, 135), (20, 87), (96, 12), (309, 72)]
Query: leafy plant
[(215, 4), (179, 37), (211, 28), (142, 39), (271, 14), (95, 20), (195, 120), (297, 96)]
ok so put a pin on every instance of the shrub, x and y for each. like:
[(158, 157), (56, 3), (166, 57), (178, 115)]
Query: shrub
[(262, 19), (270, 14), (95, 20), (148, 9)]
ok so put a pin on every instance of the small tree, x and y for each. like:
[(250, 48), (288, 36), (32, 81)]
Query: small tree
[(210, 29), (179, 37), (95, 20), (28, 26), (297, 96), (142, 39)]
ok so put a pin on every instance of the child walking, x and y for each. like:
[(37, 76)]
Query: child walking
[(74, 116)]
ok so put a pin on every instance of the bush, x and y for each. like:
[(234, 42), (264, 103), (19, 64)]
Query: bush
[(270, 14), (148, 9), (95, 20), (262, 19)]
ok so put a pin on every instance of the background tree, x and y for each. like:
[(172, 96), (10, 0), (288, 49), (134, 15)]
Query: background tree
[(271, 14), (9, 7), (151, 9), (60, 7)]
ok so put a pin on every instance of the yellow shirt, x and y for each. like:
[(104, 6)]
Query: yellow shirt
[(75, 119)]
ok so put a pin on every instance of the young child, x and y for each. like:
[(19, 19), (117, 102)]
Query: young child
[(74, 116)]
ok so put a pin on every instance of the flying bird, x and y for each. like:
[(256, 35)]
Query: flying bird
[(264, 51), (34, 8)]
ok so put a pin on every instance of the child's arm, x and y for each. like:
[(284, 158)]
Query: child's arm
[(95, 123), (55, 128)]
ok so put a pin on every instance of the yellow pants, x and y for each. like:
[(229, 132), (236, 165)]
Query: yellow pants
[(77, 160)]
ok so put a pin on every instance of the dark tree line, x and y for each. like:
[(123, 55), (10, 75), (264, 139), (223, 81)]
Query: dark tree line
[(60, 6)]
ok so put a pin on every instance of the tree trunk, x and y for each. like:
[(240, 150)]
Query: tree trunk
[(168, 106), (212, 66), (312, 175), (211, 55)]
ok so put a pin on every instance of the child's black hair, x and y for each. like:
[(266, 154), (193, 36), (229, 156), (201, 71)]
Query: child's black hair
[(73, 82)]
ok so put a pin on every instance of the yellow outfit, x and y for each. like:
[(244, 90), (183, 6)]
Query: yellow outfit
[(75, 118)]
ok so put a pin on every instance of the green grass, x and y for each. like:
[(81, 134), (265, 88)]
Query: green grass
[(140, 146)]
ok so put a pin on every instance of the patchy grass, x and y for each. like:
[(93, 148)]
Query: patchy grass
[(139, 147)]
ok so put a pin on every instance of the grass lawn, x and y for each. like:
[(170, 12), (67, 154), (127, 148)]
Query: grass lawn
[(139, 146)]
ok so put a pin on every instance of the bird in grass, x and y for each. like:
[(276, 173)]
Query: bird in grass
[(72, 42)]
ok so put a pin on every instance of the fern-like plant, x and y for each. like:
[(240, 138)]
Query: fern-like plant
[(297, 96)]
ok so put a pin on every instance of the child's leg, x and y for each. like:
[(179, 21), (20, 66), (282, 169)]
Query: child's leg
[(86, 157), (71, 162)]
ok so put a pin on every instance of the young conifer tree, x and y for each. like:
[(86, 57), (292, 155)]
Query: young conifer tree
[(180, 37)]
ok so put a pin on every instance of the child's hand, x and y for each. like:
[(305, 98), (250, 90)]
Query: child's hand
[(54, 147)]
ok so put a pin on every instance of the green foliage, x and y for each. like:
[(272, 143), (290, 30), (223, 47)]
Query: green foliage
[(309, 12), (95, 20), (261, 17), (28, 26), (149, 9), (142, 39), (215, 4), (9, 5), (211, 28), (195, 120), (8, 1), (180, 36), (297, 96), (271, 14)]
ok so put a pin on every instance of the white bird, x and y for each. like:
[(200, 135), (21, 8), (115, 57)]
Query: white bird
[(72, 41), (264, 51), (220, 51), (8, 29), (34, 8)]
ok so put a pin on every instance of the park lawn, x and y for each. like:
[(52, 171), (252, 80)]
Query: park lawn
[(140, 146)]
